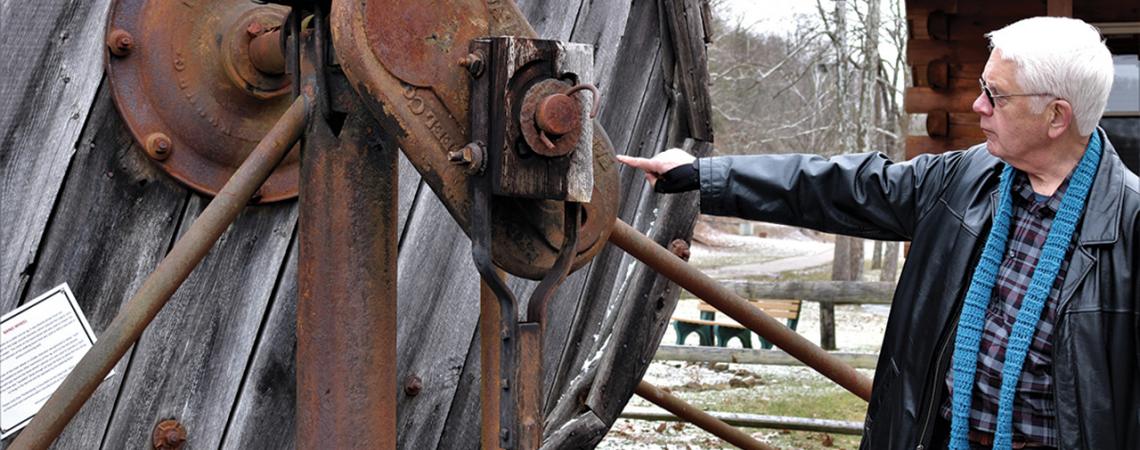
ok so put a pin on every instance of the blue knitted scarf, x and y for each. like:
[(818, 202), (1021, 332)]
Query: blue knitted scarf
[(970, 323)]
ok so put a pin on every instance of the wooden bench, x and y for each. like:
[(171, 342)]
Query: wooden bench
[(719, 332)]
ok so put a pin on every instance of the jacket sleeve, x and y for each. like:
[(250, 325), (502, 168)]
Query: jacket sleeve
[(864, 195)]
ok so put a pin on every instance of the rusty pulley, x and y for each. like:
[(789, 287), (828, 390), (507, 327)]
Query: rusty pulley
[(412, 66), (199, 83)]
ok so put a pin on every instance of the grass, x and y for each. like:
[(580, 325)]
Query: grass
[(793, 392)]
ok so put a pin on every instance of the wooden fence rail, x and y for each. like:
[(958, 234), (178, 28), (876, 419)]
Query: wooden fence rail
[(822, 292), (834, 292), (752, 356), (755, 421)]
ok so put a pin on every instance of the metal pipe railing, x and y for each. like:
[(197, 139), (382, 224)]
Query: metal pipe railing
[(696, 416), (680, 272), (161, 284)]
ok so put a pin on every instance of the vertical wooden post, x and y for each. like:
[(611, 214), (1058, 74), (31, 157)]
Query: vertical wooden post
[(1059, 8), (840, 271)]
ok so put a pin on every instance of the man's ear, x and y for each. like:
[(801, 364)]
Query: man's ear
[(1060, 114)]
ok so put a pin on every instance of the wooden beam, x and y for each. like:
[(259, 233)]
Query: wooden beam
[(922, 51), (833, 292), (1118, 28), (1059, 8), (1025, 8), (924, 99), (755, 421), (690, 353), (957, 75)]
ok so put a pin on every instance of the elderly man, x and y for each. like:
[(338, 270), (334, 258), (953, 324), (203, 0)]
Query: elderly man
[(1014, 323)]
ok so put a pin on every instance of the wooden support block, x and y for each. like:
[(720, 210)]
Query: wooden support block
[(938, 25), (1022, 8), (1059, 8), (958, 75), (922, 51), (938, 123), (924, 99)]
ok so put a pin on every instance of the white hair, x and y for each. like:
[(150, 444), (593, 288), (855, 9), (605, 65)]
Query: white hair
[(1063, 57)]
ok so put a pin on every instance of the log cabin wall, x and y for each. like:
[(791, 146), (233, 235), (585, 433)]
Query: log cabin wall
[(80, 203), (948, 50)]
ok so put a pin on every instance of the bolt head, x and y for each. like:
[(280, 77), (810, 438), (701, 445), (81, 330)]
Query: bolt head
[(120, 42), (474, 64), (558, 114), (158, 146), (254, 29), (413, 386), (168, 435)]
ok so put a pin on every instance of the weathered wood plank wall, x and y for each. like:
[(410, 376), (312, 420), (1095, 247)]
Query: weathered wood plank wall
[(80, 204)]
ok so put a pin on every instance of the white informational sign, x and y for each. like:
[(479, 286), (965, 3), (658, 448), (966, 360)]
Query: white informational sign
[(40, 342)]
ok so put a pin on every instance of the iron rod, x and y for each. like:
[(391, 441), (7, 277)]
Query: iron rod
[(707, 289), (161, 284), (695, 416), (267, 53), (490, 343)]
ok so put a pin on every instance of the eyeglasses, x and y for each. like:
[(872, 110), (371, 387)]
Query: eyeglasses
[(990, 95)]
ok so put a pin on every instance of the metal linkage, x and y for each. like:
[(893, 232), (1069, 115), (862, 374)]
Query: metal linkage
[(695, 416), (668, 264), (161, 284)]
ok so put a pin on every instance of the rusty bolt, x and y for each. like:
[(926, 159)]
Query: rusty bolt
[(471, 156), (169, 435), (254, 29), (413, 386), (680, 248), (474, 64), (159, 146), (120, 42), (558, 114)]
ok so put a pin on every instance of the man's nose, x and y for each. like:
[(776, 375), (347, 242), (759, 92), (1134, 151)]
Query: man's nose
[(982, 105)]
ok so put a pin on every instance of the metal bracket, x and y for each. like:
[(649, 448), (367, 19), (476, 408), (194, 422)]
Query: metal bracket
[(522, 94)]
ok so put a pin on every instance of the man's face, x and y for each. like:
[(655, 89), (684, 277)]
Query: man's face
[(1013, 131)]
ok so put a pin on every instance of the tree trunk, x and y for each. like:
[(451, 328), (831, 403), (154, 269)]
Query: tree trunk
[(890, 262), (877, 256)]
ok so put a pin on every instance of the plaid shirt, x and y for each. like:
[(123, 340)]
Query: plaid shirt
[(1034, 412)]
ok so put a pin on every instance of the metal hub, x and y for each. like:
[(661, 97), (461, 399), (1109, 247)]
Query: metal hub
[(184, 81)]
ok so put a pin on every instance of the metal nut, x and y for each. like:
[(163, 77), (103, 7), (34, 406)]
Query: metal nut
[(158, 146), (120, 42), (169, 435)]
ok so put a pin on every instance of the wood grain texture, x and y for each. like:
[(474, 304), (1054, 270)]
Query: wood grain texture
[(923, 99), (438, 309), (189, 363), (922, 51), (53, 65), (115, 218)]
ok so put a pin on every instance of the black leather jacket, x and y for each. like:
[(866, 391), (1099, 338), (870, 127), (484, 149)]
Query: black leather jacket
[(944, 204)]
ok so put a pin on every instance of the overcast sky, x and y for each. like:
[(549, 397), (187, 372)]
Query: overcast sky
[(768, 16)]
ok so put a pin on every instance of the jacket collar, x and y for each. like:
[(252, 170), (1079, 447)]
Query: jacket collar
[(1105, 201)]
